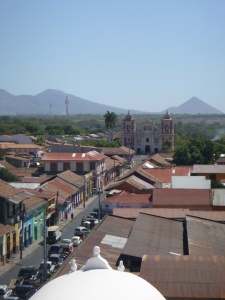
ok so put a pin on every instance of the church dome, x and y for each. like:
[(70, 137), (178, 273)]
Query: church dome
[(97, 280)]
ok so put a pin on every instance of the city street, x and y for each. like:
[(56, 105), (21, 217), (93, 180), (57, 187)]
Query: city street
[(36, 254)]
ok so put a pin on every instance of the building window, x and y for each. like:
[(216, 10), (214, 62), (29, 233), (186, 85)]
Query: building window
[(92, 166), (66, 166), (80, 166), (147, 140), (156, 140), (129, 139), (128, 128), (53, 167)]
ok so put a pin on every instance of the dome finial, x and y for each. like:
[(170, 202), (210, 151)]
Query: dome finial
[(121, 267), (96, 261), (73, 266)]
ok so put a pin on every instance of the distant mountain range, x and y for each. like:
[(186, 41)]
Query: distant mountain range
[(53, 102)]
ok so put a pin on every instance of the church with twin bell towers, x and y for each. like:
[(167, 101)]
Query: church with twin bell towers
[(147, 138)]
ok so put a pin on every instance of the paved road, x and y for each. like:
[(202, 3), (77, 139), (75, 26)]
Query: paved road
[(34, 254)]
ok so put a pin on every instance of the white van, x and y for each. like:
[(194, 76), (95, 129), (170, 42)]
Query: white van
[(54, 234)]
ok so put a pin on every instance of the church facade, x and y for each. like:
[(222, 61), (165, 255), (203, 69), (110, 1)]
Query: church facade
[(147, 138)]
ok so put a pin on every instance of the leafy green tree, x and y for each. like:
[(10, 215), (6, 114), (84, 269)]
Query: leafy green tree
[(216, 185), (110, 123), (167, 146), (194, 150), (7, 176), (40, 141), (182, 156)]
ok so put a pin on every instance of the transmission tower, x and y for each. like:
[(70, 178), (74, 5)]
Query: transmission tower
[(67, 104)]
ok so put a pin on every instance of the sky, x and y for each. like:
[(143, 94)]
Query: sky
[(146, 55)]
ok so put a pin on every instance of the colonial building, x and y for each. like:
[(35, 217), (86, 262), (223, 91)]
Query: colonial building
[(147, 138)]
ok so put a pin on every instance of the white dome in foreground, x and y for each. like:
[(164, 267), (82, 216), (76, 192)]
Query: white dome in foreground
[(98, 283)]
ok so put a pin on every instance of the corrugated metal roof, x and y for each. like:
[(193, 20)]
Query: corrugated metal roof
[(205, 237), (63, 156), (33, 202), (218, 197), (7, 191), (210, 169), (152, 234), (190, 182), (125, 197), (71, 177), (5, 228), (181, 197), (132, 180), (118, 227), (185, 277), (170, 213), (20, 197)]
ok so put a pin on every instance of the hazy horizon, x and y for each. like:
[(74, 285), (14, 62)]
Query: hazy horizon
[(131, 54)]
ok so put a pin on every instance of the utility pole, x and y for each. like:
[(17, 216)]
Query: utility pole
[(45, 248), (84, 190), (99, 205), (67, 103), (23, 213), (56, 208)]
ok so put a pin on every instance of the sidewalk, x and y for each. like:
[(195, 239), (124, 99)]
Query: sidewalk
[(28, 250)]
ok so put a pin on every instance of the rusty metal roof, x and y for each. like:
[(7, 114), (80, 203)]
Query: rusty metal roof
[(210, 169), (205, 237), (152, 234), (170, 213), (63, 156), (181, 197), (127, 198), (133, 181), (72, 177), (20, 197), (7, 191), (185, 277), (113, 227), (33, 202), (5, 228)]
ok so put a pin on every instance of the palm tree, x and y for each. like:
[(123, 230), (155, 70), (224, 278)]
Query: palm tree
[(110, 123)]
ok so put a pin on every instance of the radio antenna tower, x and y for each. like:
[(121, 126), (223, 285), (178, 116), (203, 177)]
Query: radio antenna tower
[(50, 109), (67, 103)]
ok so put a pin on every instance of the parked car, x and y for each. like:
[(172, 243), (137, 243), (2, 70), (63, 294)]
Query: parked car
[(92, 219), (5, 291), (66, 241), (67, 248), (23, 291), (97, 191), (29, 274), (56, 259), (55, 249), (76, 240), (94, 214), (81, 231), (50, 269)]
